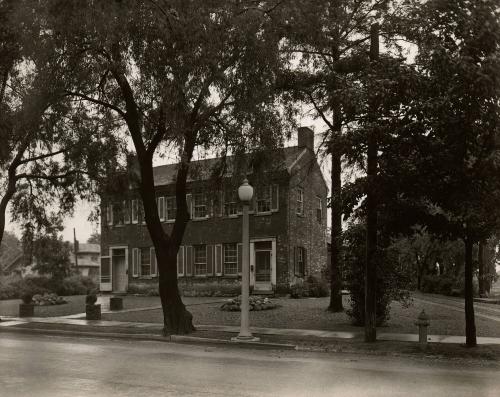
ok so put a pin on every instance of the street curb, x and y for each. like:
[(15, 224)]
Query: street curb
[(262, 345), (151, 337)]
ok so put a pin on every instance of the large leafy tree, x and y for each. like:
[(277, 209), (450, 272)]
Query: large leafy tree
[(454, 134), (330, 43), (181, 74), (45, 154)]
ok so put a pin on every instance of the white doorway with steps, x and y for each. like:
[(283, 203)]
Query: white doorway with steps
[(263, 264)]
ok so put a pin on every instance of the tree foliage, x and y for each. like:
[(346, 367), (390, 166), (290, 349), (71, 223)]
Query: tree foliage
[(184, 75)]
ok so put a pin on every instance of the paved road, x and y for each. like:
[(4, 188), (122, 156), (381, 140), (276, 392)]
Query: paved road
[(59, 366)]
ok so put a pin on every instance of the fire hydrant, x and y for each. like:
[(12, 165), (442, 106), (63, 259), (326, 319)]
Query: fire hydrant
[(423, 322)]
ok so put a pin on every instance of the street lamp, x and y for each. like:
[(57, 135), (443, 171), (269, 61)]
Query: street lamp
[(245, 194)]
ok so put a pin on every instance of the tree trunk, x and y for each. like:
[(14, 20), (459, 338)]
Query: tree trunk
[(336, 237), (371, 218), (470, 326), (176, 318), (481, 276)]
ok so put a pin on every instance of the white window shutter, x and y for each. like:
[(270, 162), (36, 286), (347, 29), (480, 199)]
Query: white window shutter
[(218, 259), (153, 262), (135, 262), (180, 261), (275, 197), (189, 203)]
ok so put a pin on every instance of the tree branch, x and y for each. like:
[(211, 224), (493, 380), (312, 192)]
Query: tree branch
[(97, 102), (41, 157), (48, 177)]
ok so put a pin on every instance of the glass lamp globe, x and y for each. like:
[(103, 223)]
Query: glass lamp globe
[(245, 191)]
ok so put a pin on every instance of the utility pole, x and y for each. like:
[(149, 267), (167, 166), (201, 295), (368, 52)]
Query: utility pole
[(371, 204), (75, 248)]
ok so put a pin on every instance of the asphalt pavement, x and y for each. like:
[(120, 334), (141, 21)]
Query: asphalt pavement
[(43, 365)]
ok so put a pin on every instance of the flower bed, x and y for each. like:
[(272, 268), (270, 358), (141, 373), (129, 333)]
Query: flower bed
[(255, 303), (48, 299)]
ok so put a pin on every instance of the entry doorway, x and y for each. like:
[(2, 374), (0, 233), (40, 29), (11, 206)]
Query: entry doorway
[(119, 266), (264, 266)]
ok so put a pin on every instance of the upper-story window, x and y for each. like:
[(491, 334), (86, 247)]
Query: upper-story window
[(319, 209), (300, 201), (135, 211), (200, 260), (171, 208), (118, 214), (263, 199), (200, 209), (126, 211), (109, 214), (230, 203)]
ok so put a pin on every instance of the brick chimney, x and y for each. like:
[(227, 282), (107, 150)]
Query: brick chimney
[(306, 138)]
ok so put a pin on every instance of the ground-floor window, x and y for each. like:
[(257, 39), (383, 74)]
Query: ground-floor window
[(300, 261), (145, 261), (230, 259), (200, 260)]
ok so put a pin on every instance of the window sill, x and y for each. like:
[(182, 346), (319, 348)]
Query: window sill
[(263, 213)]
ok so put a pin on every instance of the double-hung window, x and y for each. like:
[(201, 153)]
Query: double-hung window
[(200, 260), (200, 206), (171, 208), (300, 258), (145, 262), (118, 213), (126, 211), (300, 201), (264, 199), (319, 209), (230, 259), (230, 203), (135, 211)]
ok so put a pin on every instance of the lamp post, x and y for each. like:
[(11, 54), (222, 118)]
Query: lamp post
[(245, 194)]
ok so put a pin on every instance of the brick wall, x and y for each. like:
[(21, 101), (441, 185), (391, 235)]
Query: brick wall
[(304, 229)]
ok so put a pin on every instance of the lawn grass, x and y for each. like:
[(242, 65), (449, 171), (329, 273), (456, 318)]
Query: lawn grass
[(311, 313), (76, 304)]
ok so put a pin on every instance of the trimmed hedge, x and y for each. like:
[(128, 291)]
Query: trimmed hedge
[(14, 287), (312, 287)]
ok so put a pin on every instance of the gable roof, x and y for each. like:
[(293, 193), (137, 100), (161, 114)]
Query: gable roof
[(202, 169), (89, 248)]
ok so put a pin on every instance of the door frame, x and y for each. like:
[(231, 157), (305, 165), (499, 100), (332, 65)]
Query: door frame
[(273, 260), (111, 248)]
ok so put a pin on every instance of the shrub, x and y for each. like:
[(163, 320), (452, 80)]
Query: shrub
[(27, 298), (313, 287), (144, 289), (317, 287), (255, 304), (75, 285), (447, 285), (392, 282)]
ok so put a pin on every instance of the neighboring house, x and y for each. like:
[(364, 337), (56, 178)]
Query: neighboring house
[(11, 256), (12, 265), (287, 226), (88, 263)]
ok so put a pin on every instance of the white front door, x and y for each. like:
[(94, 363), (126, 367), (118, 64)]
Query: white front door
[(119, 267), (262, 258)]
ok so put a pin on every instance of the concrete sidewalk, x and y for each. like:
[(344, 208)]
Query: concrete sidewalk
[(121, 328)]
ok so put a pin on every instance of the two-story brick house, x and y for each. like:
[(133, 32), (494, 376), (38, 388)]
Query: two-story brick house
[(287, 227)]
